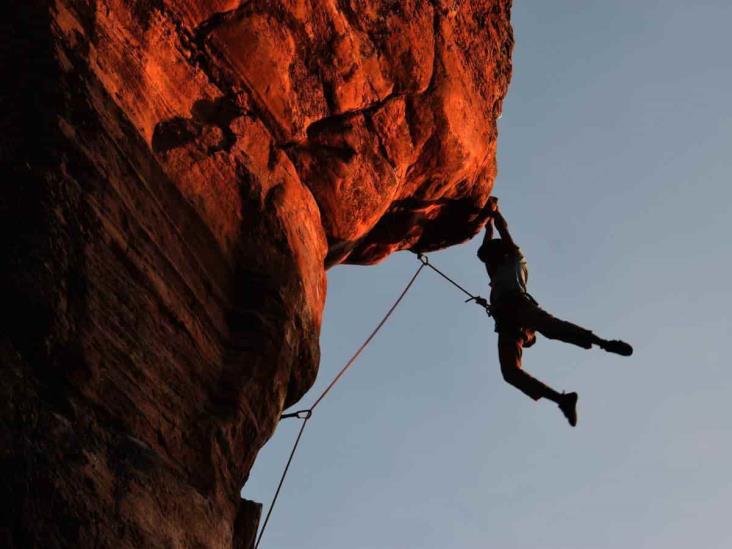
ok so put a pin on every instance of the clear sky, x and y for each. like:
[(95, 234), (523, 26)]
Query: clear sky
[(615, 177)]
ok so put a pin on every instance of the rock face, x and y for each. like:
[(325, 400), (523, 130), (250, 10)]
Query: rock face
[(179, 175)]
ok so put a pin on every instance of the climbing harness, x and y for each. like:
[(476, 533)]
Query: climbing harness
[(307, 413)]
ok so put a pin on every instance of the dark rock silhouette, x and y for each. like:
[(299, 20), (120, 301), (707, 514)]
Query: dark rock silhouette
[(178, 175)]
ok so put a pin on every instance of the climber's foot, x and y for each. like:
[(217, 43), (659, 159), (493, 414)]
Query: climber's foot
[(616, 346), (568, 406)]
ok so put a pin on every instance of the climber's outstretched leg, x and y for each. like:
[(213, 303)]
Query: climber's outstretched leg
[(510, 351), (523, 311)]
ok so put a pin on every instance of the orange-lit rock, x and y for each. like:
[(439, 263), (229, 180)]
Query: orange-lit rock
[(388, 111), (179, 176)]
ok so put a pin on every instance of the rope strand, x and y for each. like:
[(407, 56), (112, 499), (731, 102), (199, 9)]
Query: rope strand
[(368, 339), (307, 413), (425, 261), (282, 480), (479, 300)]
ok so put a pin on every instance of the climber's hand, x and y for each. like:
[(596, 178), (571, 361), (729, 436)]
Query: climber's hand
[(481, 301), (491, 206)]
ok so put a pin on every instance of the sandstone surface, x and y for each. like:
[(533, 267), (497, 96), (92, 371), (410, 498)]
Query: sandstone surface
[(179, 174)]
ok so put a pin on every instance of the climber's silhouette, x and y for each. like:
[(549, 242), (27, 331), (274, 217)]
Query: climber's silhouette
[(518, 316)]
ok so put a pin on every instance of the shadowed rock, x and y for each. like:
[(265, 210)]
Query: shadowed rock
[(178, 175)]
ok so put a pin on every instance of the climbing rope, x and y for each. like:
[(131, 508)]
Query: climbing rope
[(307, 413), (478, 300), (284, 473)]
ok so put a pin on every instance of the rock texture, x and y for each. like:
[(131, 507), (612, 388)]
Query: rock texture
[(178, 176)]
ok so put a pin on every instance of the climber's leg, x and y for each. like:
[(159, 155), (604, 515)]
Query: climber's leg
[(529, 314), (510, 351)]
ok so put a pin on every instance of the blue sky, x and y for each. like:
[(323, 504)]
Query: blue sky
[(614, 175)]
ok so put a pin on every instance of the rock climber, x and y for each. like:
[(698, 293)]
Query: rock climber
[(518, 316)]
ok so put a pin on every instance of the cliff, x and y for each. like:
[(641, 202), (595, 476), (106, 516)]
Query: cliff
[(178, 176)]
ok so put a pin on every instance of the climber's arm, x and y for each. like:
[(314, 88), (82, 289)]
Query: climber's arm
[(491, 206), (500, 222), (488, 229)]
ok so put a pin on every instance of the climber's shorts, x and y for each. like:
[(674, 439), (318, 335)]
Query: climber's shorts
[(506, 322), (518, 316)]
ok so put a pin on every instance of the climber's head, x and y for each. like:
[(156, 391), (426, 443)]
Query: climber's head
[(493, 252)]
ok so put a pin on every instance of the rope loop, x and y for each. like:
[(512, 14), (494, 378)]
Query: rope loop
[(300, 414)]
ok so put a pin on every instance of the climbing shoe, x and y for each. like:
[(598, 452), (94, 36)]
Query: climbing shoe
[(568, 406), (618, 347)]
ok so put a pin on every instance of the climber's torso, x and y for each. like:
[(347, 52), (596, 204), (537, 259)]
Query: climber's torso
[(509, 277)]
